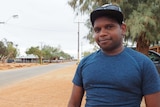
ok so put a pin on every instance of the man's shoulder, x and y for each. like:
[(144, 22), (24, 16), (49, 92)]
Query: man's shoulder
[(138, 56), (131, 51)]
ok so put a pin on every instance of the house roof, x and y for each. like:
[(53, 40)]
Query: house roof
[(30, 56)]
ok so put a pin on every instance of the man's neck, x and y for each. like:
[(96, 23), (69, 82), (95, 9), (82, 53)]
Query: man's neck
[(113, 52)]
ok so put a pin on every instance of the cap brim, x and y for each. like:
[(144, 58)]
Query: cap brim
[(110, 13)]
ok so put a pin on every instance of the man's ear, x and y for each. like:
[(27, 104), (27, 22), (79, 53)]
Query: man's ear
[(124, 29)]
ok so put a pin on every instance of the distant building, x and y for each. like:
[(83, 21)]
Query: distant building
[(27, 59)]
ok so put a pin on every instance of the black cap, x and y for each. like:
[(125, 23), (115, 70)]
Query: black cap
[(108, 10)]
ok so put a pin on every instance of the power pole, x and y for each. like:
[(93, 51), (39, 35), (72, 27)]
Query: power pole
[(78, 40)]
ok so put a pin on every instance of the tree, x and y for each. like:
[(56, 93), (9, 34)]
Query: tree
[(8, 50), (2, 50), (143, 26), (64, 55), (48, 53), (54, 53), (142, 18), (36, 51)]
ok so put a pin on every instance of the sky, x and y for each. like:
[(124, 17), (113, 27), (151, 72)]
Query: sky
[(42, 22)]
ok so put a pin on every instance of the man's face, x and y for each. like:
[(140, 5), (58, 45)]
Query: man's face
[(108, 33)]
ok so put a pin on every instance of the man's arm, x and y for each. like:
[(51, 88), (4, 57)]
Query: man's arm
[(76, 96), (152, 100)]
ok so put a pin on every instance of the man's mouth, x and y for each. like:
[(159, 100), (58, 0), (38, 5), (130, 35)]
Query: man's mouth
[(103, 41)]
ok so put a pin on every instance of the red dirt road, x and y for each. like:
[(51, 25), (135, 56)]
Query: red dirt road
[(50, 90)]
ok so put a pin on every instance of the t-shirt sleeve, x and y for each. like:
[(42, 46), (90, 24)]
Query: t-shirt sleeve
[(150, 78)]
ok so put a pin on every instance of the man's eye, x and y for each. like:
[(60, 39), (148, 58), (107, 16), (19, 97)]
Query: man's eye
[(97, 30), (109, 26)]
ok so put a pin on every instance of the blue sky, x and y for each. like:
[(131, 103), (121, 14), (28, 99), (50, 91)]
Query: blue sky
[(42, 22)]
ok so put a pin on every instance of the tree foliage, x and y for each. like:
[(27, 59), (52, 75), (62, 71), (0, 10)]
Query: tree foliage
[(143, 25), (8, 50), (48, 53), (141, 16), (36, 51), (53, 53)]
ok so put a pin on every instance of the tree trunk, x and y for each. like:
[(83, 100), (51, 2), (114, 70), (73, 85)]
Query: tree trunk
[(143, 44), (40, 59), (4, 59)]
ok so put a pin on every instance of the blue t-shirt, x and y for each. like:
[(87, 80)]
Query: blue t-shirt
[(117, 81)]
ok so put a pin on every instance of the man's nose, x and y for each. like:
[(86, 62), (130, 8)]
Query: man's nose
[(103, 32)]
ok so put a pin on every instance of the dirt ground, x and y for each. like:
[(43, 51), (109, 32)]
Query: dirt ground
[(49, 90), (5, 66)]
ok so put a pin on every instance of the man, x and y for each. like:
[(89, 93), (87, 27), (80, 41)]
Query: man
[(114, 76)]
